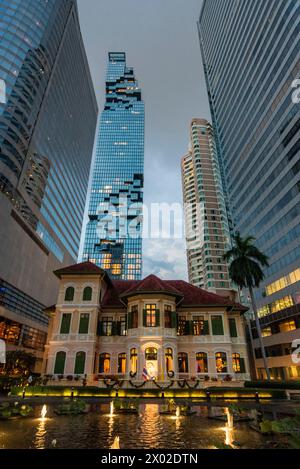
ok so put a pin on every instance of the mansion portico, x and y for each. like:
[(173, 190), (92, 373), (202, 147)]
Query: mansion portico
[(103, 328)]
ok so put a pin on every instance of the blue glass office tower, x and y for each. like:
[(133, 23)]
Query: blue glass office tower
[(48, 116), (114, 232), (251, 58)]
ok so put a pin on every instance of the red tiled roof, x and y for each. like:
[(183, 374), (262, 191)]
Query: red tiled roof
[(197, 296), (118, 289), (111, 297), (192, 296), (152, 284), (80, 269)]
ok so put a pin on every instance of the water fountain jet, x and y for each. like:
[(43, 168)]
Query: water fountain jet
[(229, 428), (44, 412)]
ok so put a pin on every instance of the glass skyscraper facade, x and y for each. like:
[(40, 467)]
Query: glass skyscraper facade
[(113, 238), (251, 58), (48, 116), (48, 122)]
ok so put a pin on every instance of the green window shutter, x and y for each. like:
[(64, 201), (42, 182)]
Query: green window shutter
[(217, 325), (65, 323), (206, 328), (145, 318), (69, 295), (186, 328), (232, 327), (87, 294), (173, 320), (242, 364), (191, 327), (157, 318), (79, 363), (84, 323), (114, 329), (60, 361), (129, 320), (100, 329)]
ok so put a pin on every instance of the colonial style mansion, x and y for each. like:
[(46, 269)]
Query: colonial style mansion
[(148, 329)]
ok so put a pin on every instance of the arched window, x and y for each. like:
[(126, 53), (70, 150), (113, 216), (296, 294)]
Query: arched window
[(133, 361), (169, 360), (79, 363), (221, 362), (151, 353), (104, 363), (237, 363), (60, 360), (69, 295), (122, 363), (183, 362), (87, 294), (201, 359)]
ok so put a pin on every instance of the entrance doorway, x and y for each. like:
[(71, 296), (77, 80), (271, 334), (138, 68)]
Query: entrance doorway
[(151, 362)]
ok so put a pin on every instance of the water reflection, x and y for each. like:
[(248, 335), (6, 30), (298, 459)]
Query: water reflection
[(148, 430), (229, 428), (40, 436)]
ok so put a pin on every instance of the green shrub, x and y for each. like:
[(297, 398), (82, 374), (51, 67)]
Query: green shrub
[(5, 413), (72, 407), (8, 410)]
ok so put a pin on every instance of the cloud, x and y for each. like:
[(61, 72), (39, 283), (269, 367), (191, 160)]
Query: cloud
[(165, 258)]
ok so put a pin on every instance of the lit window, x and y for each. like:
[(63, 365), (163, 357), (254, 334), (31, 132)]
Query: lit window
[(287, 326), (267, 332), (238, 363), (283, 282), (133, 360), (104, 363), (169, 360), (221, 362), (183, 364), (122, 363), (151, 353), (150, 313), (202, 363)]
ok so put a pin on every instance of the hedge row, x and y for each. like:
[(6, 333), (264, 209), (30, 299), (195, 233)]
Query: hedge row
[(273, 384), (93, 391)]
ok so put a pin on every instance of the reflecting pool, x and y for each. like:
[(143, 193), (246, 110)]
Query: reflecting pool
[(148, 429)]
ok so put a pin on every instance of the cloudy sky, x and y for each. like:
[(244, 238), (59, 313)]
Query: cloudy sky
[(161, 42)]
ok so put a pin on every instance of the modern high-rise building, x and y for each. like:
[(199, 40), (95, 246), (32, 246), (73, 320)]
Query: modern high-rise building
[(48, 116), (207, 229), (251, 58), (113, 238)]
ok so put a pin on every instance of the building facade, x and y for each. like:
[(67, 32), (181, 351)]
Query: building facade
[(105, 328), (48, 115), (207, 228), (250, 52), (113, 239)]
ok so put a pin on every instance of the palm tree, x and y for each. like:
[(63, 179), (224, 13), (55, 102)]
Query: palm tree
[(245, 270)]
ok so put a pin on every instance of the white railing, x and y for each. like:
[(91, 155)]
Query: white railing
[(73, 337)]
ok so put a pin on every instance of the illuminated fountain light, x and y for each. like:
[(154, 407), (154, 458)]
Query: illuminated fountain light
[(112, 409), (177, 411), (229, 429), (44, 411)]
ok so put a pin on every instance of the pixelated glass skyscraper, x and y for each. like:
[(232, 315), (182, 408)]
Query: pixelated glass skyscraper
[(113, 237)]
